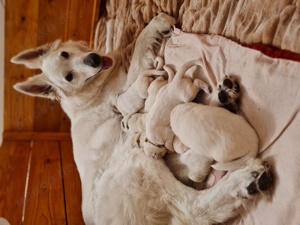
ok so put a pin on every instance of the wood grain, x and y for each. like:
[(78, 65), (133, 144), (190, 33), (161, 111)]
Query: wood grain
[(20, 33), (51, 25), (14, 158), (45, 196), (72, 185)]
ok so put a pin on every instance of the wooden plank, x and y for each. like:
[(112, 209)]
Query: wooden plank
[(72, 185), (82, 15), (45, 198), (14, 158), (52, 20), (20, 34), (27, 136)]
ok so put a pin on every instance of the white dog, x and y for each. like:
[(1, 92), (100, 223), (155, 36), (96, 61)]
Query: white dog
[(120, 184)]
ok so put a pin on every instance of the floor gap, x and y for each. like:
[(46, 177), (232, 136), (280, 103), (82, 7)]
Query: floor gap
[(63, 182), (27, 183)]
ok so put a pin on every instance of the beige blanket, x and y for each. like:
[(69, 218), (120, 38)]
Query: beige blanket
[(271, 22), (271, 103)]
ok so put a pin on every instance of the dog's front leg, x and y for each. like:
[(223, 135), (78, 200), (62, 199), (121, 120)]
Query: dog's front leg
[(148, 44)]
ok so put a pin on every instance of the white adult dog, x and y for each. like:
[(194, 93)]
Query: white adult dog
[(120, 184)]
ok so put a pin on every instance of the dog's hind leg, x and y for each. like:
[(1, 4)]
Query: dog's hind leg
[(189, 166), (221, 202)]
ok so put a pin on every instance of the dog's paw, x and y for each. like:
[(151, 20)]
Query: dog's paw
[(125, 123), (229, 93), (257, 177), (164, 24), (155, 151)]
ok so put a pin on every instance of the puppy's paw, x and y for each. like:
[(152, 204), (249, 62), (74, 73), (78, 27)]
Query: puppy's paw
[(202, 85), (155, 151), (125, 123), (257, 177)]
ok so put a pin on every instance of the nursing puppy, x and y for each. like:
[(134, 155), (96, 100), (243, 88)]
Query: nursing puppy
[(180, 89), (164, 95), (120, 184), (213, 134)]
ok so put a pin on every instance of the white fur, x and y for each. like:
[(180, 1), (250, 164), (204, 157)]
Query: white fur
[(215, 133), (179, 90), (120, 184)]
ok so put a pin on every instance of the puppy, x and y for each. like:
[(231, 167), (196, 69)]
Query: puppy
[(159, 135), (212, 133)]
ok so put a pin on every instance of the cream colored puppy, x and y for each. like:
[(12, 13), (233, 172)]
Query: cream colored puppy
[(159, 135), (216, 135)]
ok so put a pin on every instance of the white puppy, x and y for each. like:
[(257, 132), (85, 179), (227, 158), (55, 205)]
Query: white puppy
[(121, 185), (163, 97), (159, 135), (213, 134)]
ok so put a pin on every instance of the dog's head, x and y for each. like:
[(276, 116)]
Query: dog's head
[(66, 69)]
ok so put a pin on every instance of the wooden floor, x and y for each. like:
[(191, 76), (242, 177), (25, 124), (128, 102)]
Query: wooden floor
[(39, 183)]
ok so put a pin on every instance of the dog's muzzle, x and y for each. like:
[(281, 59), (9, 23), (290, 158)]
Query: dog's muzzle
[(92, 60)]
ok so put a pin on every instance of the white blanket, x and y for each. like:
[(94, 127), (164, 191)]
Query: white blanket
[(270, 101)]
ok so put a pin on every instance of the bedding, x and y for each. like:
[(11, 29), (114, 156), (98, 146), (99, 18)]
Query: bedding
[(271, 104), (270, 85), (267, 22)]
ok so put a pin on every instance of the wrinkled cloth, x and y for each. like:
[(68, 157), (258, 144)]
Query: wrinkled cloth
[(270, 102), (268, 22)]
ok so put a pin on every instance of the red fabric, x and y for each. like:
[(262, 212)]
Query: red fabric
[(275, 52)]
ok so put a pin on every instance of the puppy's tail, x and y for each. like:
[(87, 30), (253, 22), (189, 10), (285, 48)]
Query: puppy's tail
[(181, 72), (154, 73), (228, 166), (170, 73)]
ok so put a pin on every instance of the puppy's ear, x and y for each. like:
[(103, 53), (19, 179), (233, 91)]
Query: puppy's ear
[(32, 58), (37, 86)]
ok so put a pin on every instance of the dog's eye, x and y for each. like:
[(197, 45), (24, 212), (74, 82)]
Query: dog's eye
[(69, 77), (65, 55)]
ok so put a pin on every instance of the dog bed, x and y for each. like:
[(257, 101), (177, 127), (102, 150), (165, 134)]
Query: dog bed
[(231, 32)]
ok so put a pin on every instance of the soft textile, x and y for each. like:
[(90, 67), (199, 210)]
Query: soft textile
[(271, 103), (269, 22)]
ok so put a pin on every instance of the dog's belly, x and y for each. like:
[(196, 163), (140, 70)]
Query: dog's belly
[(213, 131), (130, 191)]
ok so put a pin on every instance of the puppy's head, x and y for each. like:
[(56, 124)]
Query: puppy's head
[(67, 68)]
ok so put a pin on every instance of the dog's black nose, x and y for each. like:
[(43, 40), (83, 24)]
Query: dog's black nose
[(93, 60)]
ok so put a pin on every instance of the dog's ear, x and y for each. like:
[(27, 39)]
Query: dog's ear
[(32, 58), (37, 85)]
